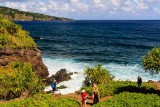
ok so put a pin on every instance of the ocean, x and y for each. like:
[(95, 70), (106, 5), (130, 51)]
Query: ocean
[(119, 45)]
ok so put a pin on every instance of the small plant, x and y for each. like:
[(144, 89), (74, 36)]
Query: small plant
[(61, 87), (97, 74)]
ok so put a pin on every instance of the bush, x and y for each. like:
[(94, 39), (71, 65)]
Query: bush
[(98, 74), (43, 100), (127, 99), (23, 79), (151, 61)]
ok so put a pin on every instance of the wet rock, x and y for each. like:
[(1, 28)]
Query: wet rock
[(60, 76), (75, 72), (71, 73)]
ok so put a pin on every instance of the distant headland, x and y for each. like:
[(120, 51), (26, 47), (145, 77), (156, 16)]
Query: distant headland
[(17, 15)]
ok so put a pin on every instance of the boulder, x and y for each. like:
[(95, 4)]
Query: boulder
[(60, 76), (151, 81), (71, 73)]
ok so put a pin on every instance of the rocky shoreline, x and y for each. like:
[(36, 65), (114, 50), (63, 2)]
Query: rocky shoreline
[(60, 76)]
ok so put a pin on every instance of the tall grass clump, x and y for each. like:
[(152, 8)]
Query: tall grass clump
[(22, 80)]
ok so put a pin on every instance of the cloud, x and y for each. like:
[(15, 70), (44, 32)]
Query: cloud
[(87, 8), (14, 0), (141, 5), (116, 2), (74, 1), (97, 1), (157, 10)]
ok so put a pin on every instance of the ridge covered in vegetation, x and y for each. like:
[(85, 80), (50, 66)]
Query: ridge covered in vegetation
[(12, 36), (15, 14)]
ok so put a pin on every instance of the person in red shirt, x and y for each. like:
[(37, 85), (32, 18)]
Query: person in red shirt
[(84, 98)]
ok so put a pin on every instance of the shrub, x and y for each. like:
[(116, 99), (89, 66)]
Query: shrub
[(151, 61), (127, 99), (98, 74), (22, 79), (43, 100)]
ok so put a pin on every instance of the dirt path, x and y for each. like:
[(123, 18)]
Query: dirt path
[(89, 101), (158, 85)]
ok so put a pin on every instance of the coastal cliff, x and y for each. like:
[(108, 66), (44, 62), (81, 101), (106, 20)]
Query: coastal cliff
[(32, 56), (17, 46), (17, 15)]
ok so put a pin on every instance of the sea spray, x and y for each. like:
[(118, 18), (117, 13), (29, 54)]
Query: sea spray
[(120, 71)]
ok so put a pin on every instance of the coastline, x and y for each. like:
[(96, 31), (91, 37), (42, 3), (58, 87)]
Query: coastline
[(132, 71)]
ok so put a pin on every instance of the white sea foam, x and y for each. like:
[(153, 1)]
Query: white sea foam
[(121, 72)]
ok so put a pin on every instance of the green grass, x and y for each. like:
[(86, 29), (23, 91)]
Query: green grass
[(12, 36), (116, 87), (127, 99), (42, 100)]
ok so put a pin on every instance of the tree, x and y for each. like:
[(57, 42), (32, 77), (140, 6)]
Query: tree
[(151, 61), (98, 74)]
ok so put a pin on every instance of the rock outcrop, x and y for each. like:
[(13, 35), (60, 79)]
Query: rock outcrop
[(32, 56), (60, 76)]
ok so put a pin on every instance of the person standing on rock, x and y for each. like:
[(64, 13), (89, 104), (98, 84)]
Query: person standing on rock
[(95, 95), (53, 85), (139, 81)]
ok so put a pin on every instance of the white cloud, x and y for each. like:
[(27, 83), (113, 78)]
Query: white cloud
[(97, 1), (141, 5), (116, 2), (128, 6), (157, 10), (88, 8), (14, 0), (74, 1)]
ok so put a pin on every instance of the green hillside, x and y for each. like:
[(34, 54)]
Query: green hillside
[(12, 36), (14, 14)]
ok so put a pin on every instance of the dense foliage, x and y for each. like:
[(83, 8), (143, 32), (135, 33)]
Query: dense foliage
[(151, 61), (12, 36), (116, 87), (13, 13), (43, 100), (23, 79), (127, 99), (98, 74)]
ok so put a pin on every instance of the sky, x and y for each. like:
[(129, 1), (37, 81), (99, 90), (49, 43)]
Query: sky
[(91, 9)]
